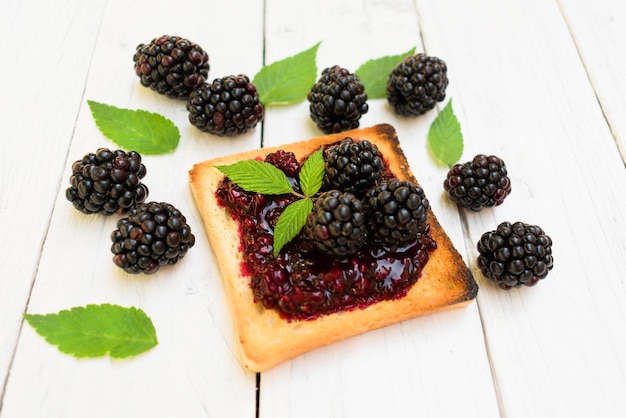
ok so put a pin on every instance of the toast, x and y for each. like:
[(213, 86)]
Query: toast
[(266, 339)]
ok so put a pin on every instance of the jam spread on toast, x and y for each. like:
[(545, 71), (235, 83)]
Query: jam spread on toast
[(301, 282)]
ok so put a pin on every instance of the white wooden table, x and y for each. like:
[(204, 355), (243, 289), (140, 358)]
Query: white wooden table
[(540, 83)]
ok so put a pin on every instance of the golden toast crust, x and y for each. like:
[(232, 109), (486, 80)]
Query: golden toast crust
[(264, 338)]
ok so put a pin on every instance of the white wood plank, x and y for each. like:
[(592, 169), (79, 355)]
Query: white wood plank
[(526, 78), (599, 30), (44, 80), (522, 93), (192, 372), (415, 367)]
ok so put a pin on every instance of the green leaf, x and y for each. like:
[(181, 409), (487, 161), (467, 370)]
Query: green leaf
[(287, 81), (95, 330), (375, 73), (256, 176), (290, 222), (135, 130), (312, 173), (445, 139)]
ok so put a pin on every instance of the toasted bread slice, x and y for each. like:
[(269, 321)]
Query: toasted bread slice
[(264, 338)]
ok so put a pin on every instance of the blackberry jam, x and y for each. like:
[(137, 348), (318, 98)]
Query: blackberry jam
[(302, 283)]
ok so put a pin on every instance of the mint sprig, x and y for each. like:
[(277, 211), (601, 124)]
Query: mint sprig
[(95, 330), (445, 139), (136, 130), (262, 177), (287, 81)]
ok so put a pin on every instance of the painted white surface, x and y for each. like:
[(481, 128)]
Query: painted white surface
[(541, 84)]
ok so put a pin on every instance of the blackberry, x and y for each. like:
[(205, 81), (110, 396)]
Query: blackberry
[(152, 235), (482, 182), (417, 84), (171, 65), (107, 182), (284, 160), (397, 213), (337, 100), (226, 107), (336, 224), (352, 166), (515, 254)]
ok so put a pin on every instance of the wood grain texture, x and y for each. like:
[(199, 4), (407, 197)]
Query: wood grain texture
[(192, 370), (561, 343), (599, 31), (539, 83), (39, 104)]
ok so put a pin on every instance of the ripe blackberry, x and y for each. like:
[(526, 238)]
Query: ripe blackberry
[(417, 84), (337, 223), (171, 65), (352, 166), (515, 254), (152, 235), (284, 160), (337, 100), (397, 212), (226, 107), (107, 182), (482, 182)]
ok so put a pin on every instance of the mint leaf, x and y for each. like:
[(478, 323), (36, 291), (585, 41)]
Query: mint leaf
[(287, 81), (95, 330), (312, 173), (136, 130), (256, 176), (290, 222), (265, 178), (445, 139), (375, 73)]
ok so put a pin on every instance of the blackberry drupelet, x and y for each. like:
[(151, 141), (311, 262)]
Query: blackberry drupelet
[(285, 161), (152, 235), (226, 107), (171, 65), (352, 166), (515, 254), (337, 100), (482, 182), (107, 182), (336, 224), (241, 202), (397, 213), (417, 84)]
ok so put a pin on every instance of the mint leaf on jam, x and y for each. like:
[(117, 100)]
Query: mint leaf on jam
[(257, 176), (312, 173), (287, 81), (95, 330), (445, 139), (136, 130), (375, 73), (293, 218), (264, 178), (290, 222)]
